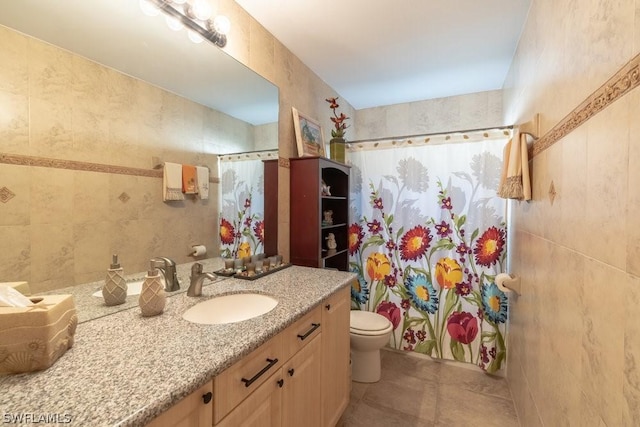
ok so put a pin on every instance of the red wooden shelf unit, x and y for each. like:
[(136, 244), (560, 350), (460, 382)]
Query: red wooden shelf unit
[(308, 241)]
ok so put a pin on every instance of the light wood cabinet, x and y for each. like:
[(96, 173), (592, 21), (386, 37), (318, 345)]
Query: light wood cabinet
[(192, 411), (262, 408), (301, 396), (240, 380), (300, 377), (294, 358), (296, 336), (336, 378)]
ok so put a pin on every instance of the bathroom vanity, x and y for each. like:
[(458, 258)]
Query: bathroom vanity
[(300, 377), (128, 370)]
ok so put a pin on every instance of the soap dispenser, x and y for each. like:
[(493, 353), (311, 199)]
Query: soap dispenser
[(152, 297), (114, 290)]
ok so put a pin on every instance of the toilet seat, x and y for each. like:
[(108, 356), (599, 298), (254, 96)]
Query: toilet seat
[(368, 324)]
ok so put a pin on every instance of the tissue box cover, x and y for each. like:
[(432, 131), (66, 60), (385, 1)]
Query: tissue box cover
[(33, 338)]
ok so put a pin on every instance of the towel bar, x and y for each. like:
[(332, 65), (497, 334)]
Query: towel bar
[(532, 127)]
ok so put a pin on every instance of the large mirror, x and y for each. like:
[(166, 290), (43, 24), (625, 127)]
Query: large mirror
[(173, 100), (117, 34)]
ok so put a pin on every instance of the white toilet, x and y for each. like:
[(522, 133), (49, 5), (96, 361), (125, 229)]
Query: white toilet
[(369, 333)]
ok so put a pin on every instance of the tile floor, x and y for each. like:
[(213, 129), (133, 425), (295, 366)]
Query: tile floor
[(418, 391)]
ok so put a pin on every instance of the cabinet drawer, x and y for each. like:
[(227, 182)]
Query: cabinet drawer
[(301, 332), (193, 410), (262, 409), (240, 380)]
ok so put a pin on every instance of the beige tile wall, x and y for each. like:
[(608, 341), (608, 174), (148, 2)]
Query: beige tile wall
[(472, 111), (62, 226), (265, 137), (64, 131), (251, 44), (573, 335)]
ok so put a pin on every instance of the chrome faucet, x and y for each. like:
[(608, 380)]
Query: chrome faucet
[(168, 269), (197, 277)]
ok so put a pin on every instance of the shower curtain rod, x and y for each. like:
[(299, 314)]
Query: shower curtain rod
[(248, 152), (361, 141)]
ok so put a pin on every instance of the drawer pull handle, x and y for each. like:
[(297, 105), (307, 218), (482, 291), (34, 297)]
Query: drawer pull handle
[(328, 306), (291, 371), (207, 397), (314, 326), (280, 383), (248, 382)]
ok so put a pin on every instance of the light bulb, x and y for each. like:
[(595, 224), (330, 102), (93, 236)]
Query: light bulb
[(201, 9), (149, 8), (221, 24), (194, 37), (173, 23)]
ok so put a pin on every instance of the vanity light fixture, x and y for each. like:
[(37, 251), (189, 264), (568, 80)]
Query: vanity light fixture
[(194, 15)]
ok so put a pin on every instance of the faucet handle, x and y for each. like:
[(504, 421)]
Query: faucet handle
[(196, 269)]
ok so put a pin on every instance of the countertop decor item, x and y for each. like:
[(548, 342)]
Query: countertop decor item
[(152, 298), (245, 275), (114, 290), (337, 142), (309, 136), (32, 338)]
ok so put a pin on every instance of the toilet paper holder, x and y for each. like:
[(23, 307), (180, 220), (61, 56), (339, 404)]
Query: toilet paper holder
[(198, 250), (508, 283)]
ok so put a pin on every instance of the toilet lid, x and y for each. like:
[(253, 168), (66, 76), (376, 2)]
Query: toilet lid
[(366, 321)]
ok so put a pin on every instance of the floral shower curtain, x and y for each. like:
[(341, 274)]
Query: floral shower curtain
[(427, 238), (242, 204)]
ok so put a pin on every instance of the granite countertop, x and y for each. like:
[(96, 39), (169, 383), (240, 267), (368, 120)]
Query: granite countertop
[(125, 369), (91, 307)]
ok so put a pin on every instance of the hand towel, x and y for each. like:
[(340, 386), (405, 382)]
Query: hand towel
[(515, 182), (189, 177), (172, 182), (202, 173)]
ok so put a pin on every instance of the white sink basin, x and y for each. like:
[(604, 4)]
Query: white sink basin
[(230, 308), (133, 288)]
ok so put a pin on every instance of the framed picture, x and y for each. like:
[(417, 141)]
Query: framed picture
[(309, 135)]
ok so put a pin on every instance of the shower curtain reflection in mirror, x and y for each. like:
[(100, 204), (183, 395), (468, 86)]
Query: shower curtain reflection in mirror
[(242, 204)]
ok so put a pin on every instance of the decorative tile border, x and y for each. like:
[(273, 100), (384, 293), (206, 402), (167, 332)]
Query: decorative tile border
[(625, 80), (45, 162), (284, 163)]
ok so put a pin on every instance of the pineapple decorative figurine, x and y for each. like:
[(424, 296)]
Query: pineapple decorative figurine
[(114, 290), (152, 297)]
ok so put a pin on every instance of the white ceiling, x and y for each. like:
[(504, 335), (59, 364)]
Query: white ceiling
[(382, 52)]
